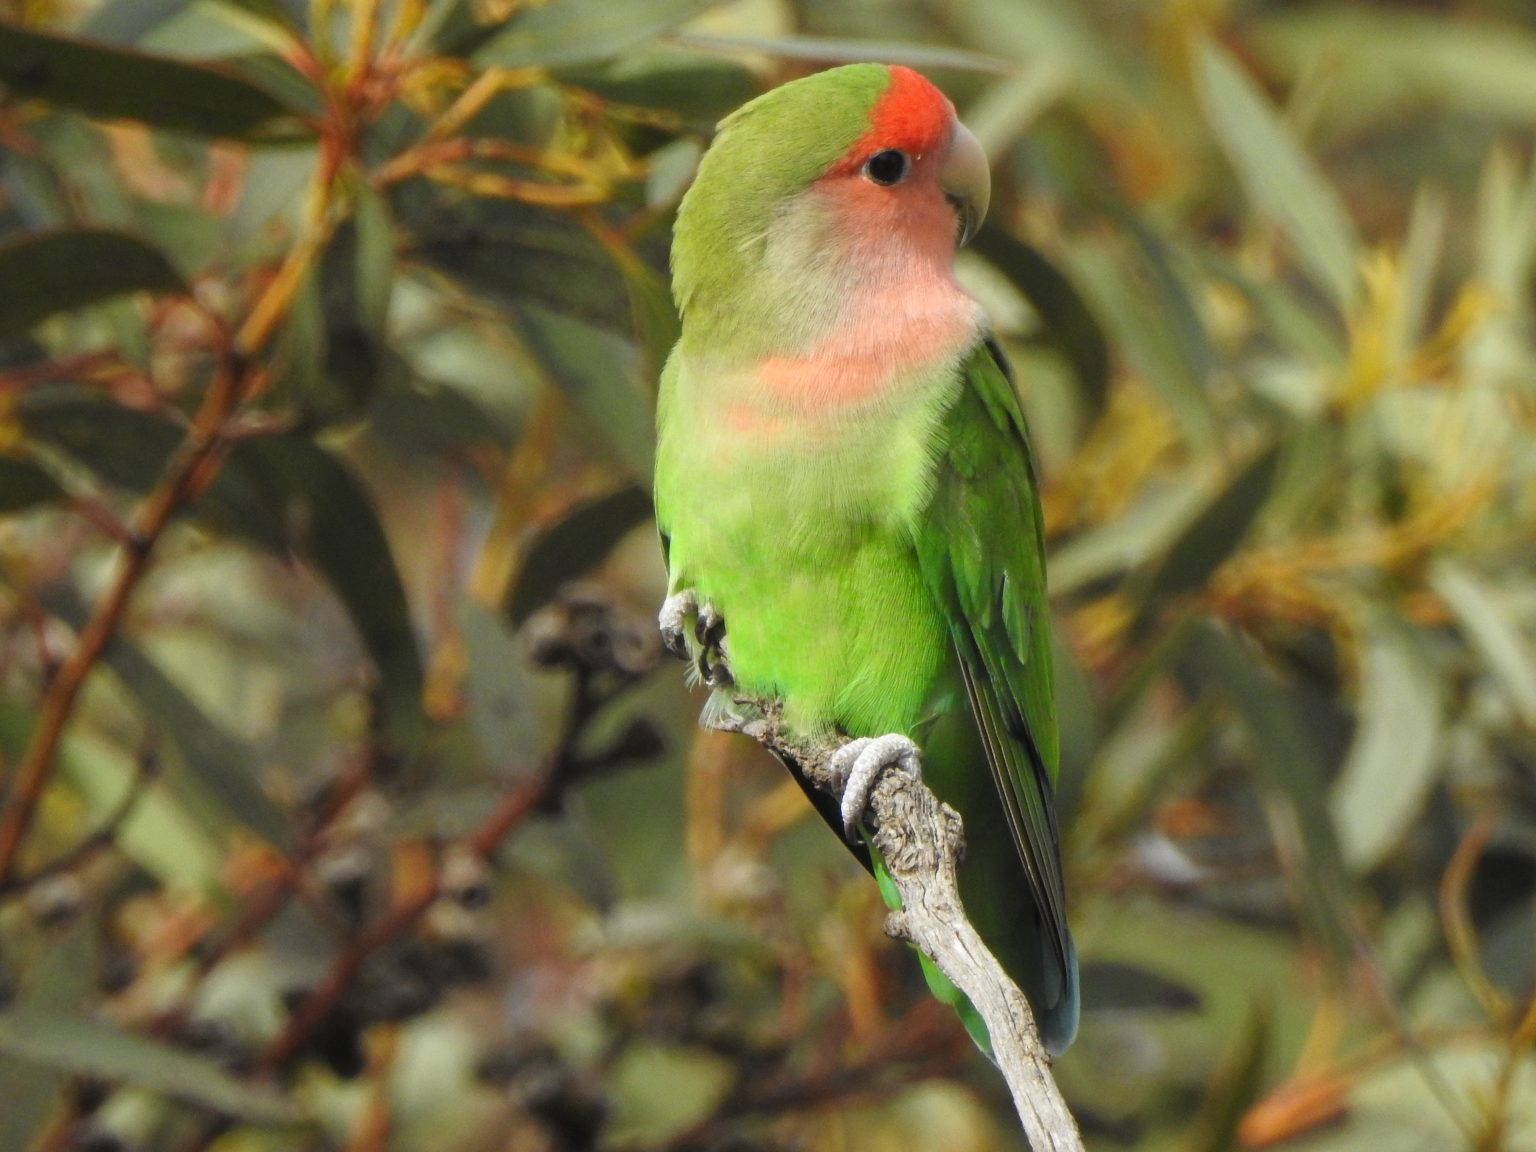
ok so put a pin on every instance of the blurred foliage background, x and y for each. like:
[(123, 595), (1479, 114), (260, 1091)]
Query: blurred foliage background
[(346, 805)]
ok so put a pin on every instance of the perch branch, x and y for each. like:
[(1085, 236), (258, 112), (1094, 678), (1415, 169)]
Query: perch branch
[(921, 841)]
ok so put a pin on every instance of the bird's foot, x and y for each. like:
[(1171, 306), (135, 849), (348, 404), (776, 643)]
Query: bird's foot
[(858, 765), (682, 613), (676, 612)]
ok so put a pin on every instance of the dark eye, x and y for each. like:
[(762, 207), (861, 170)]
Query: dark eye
[(887, 167)]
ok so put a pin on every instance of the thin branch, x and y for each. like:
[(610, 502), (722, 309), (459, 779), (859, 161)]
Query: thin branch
[(104, 834), (920, 840), (198, 455)]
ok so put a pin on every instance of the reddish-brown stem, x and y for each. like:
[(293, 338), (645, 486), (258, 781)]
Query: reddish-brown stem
[(201, 449), (513, 809)]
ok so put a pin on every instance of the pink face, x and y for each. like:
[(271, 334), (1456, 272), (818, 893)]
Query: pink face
[(888, 182), (892, 210)]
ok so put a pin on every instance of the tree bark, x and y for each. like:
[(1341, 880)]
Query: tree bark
[(921, 840)]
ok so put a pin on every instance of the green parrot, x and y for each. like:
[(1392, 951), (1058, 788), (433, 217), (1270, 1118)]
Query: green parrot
[(845, 492)]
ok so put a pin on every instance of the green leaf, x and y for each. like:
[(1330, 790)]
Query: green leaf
[(1491, 630), (454, 28), (128, 21), (82, 1046), (60, 976), (566, 32), (1281, 180), (1069, 326), (602, 374), (54, 272), (574, 546), (532, 257), (340, 337), (656, 322), (279, 79), (660, 1090), (158, 834), (1144, 303), (1215, 533), (834, 50), (215, 768), (214, 765), (273, 11), (1386, 61), (286, 494), (124, 84), (702, 88), (23, 485), (1116, 986), (1289, 769), (1147, 528), (500, 696), (1235, 1088), (1395, 757)]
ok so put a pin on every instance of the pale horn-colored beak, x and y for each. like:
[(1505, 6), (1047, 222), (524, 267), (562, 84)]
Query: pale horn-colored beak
[(966, 180)]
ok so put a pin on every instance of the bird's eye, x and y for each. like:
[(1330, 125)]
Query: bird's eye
[(887, 167)]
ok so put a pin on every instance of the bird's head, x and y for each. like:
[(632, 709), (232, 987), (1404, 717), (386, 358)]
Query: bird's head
[(819, 190)]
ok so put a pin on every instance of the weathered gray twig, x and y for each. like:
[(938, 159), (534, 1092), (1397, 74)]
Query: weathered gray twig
[(921, 840)]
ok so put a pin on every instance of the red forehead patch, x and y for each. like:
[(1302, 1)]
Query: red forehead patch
[(911, 114)]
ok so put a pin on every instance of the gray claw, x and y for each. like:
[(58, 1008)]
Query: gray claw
[(709, 630), (673, 621), (681, 615), (714, 666), (709, 626), (858, 765)]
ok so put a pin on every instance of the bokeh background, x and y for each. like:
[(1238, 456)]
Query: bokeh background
[(348, 804)]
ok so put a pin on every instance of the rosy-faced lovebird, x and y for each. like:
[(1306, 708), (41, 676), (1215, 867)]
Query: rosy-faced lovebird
[(843, 478)]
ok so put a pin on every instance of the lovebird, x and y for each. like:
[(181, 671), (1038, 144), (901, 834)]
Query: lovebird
[(845, 492)]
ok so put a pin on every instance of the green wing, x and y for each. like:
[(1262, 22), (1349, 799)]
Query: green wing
[(981, 548)]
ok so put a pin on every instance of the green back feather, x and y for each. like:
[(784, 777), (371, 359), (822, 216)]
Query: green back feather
[(980, 548)]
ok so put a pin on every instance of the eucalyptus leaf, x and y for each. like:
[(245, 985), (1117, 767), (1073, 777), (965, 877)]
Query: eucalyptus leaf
[(158, 833), (286, 494), (216, 771), (24, 484), (1235, 1088), (118, 83), (1070, 327), (1215, 534), (80, 1045), (835, 50), (1491, 630), (604, 376), (1289, 767), (566, 32), (703, 88), (529, 257), (51, 272), (128, 21), (500, 693), (1145, 306), (573, 546), (1281, 180), (1387, 62), (285, 14), (1395, 757), (1116, 986)]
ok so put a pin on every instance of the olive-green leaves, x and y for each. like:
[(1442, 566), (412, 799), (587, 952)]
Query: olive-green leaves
[(116, 83), (51, 272), (79, 1044), (1279, 177), (566, 32)]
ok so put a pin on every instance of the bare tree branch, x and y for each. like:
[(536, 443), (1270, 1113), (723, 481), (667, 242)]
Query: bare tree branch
[(921, 840)]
